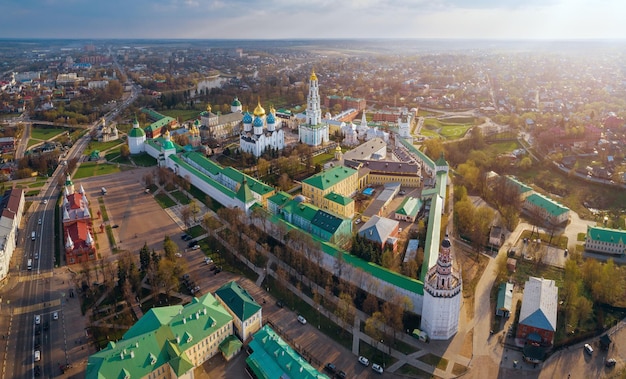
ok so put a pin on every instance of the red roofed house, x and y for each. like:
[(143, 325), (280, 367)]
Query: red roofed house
[(80, 245)]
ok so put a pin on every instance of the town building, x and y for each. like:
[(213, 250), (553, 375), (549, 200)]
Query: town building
[(504, 301), (345, 102), (339, 180), (382, 231), (7, 144), (261, 133), (167, 342), (537, 319), (80, 245), (12, 207), (605, 240), (247, 313), (160, 123), (408, 209), (107, 133), (271, 357), (546, 209), (442, 296), (313, 132), (221, 126)]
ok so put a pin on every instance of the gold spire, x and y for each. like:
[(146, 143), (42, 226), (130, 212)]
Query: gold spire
[(313, 76), (208, 108), (259, 111)]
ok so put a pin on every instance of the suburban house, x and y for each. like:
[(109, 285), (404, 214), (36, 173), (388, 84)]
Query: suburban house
[(537, 320), (247, 313)]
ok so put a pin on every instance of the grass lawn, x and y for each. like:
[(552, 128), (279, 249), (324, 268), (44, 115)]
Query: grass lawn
[(375, 355), (45, 133), (413, 371), (36, 184), (580, 237), (143, 160), (101, 146), (526, 269), (454, 131), (435, 361), (503, 147), (33, 142), (164, 201), (428, 133), (458, 120), (180, 114), (89, 169), (196, 231), (181, 197), (322, 158)]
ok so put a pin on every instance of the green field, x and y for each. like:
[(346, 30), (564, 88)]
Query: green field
[(164, 201), (429, 133), (45, 133), (454, 131), (90, 169), (143, 160), (322, 158), (180, 114), (503, 147), (101, 146)]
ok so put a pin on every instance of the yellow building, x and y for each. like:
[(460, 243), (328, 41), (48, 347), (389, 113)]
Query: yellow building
[(332, 190)]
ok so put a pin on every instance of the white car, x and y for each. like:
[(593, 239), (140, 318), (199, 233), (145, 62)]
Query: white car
[(301, 320), (39, 222), (45, 201), (364, 361), (179, 255), (37, 355), (376, 367), (55, 315), (37, 319)]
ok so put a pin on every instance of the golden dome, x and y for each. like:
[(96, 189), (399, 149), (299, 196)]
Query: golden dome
[(272, 110), (313, 76), (259, 111), (338, 148), (208, 108)]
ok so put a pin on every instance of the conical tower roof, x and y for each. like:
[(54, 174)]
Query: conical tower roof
[(245, 194)]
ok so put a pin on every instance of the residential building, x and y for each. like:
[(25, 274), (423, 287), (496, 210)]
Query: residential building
[(605, 240), (272, 358), (167, 342), (160, 124), (504, 302), (12, 208), (546, 209), (7, 144), (537, 320), (374, 149), (247, 313), (346, 102)]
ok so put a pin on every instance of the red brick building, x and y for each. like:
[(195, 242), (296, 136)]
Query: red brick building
[(80, 245)]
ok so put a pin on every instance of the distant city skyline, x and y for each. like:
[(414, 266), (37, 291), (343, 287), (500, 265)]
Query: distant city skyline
[(288, 19)]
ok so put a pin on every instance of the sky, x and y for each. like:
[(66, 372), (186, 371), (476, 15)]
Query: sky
[(294, 19)]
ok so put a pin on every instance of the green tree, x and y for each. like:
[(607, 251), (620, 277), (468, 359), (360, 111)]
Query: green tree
[(124, 151), (170, 248)]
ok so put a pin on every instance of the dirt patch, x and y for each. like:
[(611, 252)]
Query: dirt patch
[(473, 265), (467, 350)]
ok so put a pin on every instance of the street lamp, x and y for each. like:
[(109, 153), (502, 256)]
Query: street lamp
[(383, 343), (319, 316)]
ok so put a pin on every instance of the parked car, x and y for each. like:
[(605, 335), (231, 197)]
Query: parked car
[(376, 367), (588, 349), (301, 319), (39, 222), (55, 315), (37, 355), (184, 237), (280, 304), (330, 367), (340, 375), (192, 243), (195, 247), (610, 362), (45, 201), (364, 361), (178, 255), (37, 319)]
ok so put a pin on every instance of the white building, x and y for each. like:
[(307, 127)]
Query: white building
[(605, 240), (136, 138), (261, 132), (442, 297), (313, 132), (12, 205)]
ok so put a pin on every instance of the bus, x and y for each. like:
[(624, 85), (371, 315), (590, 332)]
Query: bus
[(29, 265)]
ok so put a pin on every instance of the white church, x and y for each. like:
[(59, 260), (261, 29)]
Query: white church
[(261, 132)]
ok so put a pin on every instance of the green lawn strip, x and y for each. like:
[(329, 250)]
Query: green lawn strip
[(435, 361), (164, 200), (413, 371), (198, 194), (32, 193), (181, 197), (196, 231), (143, 160), (454, 131), (429, 133), (103, 210), (313, 317), (322, 158), (222, 257), (89, 169), (32, 142), (36, 184), (45, 133), (101, 146), (580, 237), (109, 230), (375, 355), (503, 147)]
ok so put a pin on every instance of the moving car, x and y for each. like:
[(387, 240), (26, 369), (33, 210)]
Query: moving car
[(37, 355), (39, 222), (610, 362), (37, 319), (45, 201), (55, 315), (376, 367), (301, 319), (588, 349), (364, 361)]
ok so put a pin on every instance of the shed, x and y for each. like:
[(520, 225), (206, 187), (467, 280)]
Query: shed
[(511, 264), (505, 300)]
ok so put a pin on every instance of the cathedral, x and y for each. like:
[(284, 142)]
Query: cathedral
[(80, 245), (261, 132), (313, 132)]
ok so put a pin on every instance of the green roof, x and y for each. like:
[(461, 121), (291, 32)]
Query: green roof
[(327, 179), (505, 296), (255, 185), (157, 143), (433, 236), (409, 206), (304, 210), (236, 102), (441, 161), (202, 176), (551, 206), (152, 341), (238, 300), (327, 221), (152, 114), (230, 346), (337, 198), (204, 163), (244, 194), (423, 157), (136, 132), (158, 124), (606, 235), (521, 187), (273, 358), (280, 198)]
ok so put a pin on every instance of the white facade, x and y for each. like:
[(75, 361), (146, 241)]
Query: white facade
[(136, 139), (10, 219), (442, 297), (404, 126), (261, 132), (313, 132)]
